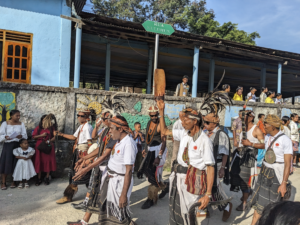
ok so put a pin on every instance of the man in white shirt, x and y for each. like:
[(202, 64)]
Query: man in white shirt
[(83, 137), (117, 186), (195, 156), (176, 142), (273, 185)]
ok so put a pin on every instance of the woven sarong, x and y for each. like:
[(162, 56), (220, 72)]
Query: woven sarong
[(106, 217), (85, 180), (265, 190)]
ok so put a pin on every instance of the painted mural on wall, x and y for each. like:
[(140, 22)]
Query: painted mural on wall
[(7, 103), (91, 103), (172, 110)]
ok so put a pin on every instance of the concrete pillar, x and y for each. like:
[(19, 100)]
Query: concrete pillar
[(195, 71), (279, 78), (107, 67), (263, 76), (150, 64), (211, 75), (77, 57)]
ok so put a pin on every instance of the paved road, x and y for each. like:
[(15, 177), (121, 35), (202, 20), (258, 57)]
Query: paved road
[(37, 206)]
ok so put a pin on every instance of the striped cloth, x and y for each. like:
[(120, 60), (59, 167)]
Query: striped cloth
[(265, 190)]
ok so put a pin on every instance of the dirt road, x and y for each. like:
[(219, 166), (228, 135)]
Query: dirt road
[(36, 205)]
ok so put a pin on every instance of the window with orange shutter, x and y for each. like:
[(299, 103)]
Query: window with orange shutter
[(16, 60)]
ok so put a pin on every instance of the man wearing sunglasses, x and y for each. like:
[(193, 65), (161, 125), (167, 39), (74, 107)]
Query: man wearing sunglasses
[(273, 178), (105, 145), (244, 166), (154, 159), (83, 140), (221, 145)]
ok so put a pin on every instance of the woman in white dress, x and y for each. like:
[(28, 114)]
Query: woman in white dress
[(11, 131), (294, 136), (24, 169)]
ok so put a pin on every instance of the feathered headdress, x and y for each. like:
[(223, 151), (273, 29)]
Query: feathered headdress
[(113, 105)]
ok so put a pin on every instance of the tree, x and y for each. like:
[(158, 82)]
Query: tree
[(188, 15)]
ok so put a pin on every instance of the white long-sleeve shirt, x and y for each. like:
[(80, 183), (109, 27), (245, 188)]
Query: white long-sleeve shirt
[(294, 131), (7, 130)]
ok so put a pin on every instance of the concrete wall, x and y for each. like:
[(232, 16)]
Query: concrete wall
[(51, 36), (34, 101)]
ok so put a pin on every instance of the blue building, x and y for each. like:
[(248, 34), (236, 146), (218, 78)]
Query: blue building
[(35, 42)]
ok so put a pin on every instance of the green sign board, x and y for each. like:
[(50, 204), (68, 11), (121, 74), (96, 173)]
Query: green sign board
[(159, 28)]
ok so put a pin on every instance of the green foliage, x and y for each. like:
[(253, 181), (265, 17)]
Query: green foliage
[(187, 15), (138, 106)]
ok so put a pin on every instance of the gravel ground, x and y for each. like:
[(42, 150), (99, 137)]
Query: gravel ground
[(37, 206)]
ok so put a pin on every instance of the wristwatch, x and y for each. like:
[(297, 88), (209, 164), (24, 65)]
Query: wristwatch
[(159, 156)]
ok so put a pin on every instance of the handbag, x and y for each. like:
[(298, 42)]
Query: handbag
[(45, 147), (270, 156)]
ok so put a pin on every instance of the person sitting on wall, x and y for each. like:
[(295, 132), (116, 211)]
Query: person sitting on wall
[(183, 88), (238, 96), (271, 95), (263, 95)]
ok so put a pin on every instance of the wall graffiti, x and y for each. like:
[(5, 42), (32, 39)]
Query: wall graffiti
[(142, 119), (91, 104), (172, 110), (7, 103), (138, 106)]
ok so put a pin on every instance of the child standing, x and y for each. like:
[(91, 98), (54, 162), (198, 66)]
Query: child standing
[(139, 138), (24, 169), (278, 99)]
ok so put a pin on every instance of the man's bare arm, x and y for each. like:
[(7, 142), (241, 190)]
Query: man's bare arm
[(123, 202)]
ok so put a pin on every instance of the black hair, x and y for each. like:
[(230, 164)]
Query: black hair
[(285, 119), (137, 123), (225, 86), (293, 115), (238, 88), (252, 88), (185, 76), (22, 140), (241, 110), (13, 112), (270, 93), (260, 115), (284, 212), (278, 94), (263, 89), (93, 114)]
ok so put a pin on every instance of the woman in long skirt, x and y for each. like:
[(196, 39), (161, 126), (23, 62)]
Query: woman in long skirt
[(44, 162), (11, 132)]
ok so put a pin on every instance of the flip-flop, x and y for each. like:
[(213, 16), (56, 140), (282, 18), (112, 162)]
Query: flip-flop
[(4, 188)]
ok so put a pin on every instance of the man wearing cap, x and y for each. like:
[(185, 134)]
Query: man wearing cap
[(221, 145), (243, 166), (182, 89), (273, 185), (154, 159)]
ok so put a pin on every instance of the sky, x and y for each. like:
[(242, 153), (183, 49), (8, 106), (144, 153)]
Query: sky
[(277, 21)]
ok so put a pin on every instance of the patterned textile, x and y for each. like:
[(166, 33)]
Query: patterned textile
[(265, 190), (175, 217), (149, 169), (106, 218), (85, 180), (196, 181), (237, 126), (295, 146)]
